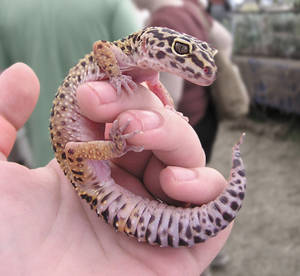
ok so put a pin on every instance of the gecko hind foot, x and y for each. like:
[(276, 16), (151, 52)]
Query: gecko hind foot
[(119, 138), (172, 108), (123, 81)]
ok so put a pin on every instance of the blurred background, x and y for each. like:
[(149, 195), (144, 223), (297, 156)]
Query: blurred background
[(257, 91)]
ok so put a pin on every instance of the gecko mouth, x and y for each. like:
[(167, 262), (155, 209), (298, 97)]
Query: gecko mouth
[(203, 81)]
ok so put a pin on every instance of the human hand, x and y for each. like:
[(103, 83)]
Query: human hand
[(47, 229)]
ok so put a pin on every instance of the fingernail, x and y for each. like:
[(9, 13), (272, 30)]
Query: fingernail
[(182, 174), (103, 91), (149, 120)]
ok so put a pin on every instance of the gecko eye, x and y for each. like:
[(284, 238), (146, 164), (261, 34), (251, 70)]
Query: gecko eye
[(181, 48)]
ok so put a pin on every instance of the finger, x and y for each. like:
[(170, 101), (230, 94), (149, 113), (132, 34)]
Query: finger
[(99, 101), (173, 140), (19, 88), (198, 186), (169, 136), (7, 137), (19, 93)]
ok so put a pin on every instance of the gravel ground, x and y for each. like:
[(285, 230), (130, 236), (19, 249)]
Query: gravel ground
[(266, 236)]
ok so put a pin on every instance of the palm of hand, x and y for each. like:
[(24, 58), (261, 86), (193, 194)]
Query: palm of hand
[(47, 229)]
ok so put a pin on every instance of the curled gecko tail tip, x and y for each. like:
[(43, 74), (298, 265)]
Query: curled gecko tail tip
[(240, 141)]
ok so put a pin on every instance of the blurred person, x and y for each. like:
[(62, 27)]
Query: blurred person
[(51, 36), (219, 9)]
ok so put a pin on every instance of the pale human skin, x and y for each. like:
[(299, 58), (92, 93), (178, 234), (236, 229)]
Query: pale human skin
[(46, 229)]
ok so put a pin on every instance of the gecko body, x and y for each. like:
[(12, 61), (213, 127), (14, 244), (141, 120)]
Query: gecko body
[(84, 156)]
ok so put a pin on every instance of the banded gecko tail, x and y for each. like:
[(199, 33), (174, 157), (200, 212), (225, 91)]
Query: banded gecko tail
[(158, 223)]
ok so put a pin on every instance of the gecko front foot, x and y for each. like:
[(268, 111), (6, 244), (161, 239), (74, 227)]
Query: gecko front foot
[(119, 138), (123, 81)]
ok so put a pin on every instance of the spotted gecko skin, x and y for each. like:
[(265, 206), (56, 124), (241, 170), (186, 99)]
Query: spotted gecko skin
[(84, 156)]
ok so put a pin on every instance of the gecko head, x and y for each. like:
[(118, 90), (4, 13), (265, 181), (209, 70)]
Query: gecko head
[(167, 50)]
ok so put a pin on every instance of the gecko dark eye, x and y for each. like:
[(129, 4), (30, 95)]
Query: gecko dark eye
[(181, 48)]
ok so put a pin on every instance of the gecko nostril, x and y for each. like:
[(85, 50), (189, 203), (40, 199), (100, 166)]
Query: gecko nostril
[(207, 70)]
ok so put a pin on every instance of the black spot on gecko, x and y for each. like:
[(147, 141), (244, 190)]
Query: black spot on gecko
[(66, 84), (63, 156), (180, 226), (190, 69), (116, 219), (197, 228), (208, 232), (173, 64), (182, 242), (91, 59), (70, 151), (241, 195), (170, 240), (234, 205), (160, 54), (128, 223), (94, 202), (54, 148), (160, 220), (157, 240), (152, 218), (232, 193), (76, 172), (105, 215), (198, 239), (170, 222), (218, 222), (242, 173), (106, 197), (228, 217), (188, 232), (211, 218), (204, 55), (62, 95), (161, 44), (148, 233), (197, 75), (224, 199), (217, 207), (180, 59), (83, 63), (236, 163), (197, 61)]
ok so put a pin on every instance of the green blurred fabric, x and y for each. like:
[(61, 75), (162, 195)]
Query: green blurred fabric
[(50, 36)]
